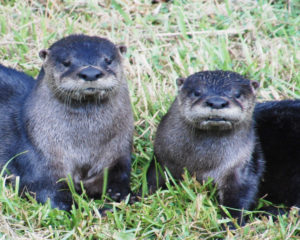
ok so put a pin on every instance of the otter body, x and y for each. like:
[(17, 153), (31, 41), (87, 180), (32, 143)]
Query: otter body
[(209, 130), (278, 128), (14, 88), (76, 121)]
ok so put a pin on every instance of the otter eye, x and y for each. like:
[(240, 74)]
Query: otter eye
[(66, 63), (237, 95), (108, 61), (197, 93)]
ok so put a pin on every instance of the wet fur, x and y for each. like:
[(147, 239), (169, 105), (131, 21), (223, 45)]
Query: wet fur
[(278, 128), (69, 132), (231, 156)]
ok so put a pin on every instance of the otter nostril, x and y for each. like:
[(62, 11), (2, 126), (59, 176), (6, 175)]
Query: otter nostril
[(209, 104), (99, 75), (83, 76), (225, 104), (217, 103), (90, 74)]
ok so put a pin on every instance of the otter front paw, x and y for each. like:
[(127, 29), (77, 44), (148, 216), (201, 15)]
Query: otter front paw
[(118, 193)]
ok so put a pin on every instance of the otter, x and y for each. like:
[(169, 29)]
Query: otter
[(209, 131), (74, 121), (278, 128)]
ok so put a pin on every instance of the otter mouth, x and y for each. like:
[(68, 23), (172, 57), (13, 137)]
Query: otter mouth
[(215, 123), (215, 119), (92, 91), (88, 91)]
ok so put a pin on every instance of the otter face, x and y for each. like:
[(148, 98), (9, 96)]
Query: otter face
[(82, 67), (216, 100)]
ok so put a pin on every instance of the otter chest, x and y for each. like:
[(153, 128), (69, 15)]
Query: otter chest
[(215, 158), (75, 144), (82, 143)]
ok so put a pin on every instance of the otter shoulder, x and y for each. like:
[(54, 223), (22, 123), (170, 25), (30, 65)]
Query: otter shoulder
[(14, 83)]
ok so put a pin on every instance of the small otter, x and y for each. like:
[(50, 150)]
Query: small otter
[(278, 128), (76, 121), (209, 130)]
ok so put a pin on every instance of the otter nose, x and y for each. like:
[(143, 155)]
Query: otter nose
[(90, 74), (217, 103)]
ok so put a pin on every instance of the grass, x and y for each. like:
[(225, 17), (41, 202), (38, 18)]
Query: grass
[(167, 40)]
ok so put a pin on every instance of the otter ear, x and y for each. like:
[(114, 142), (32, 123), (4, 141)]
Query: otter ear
[(43, 54), (122, 48), (180, 81), (254, 85)]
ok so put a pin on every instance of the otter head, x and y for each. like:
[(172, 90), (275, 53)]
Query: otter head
[(80, 67), (216, 100)]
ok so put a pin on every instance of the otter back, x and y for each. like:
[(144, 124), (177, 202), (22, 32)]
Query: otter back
[(278, 128)]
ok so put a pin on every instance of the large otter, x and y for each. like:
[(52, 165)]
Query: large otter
[(278, 128), (76, 121), (209, 130)]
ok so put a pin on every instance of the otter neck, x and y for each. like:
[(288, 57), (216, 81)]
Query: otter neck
[(242, 133), (243, 128), (219, 151)]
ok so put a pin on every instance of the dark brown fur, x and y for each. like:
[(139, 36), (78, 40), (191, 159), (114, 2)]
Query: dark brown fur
[(209, 131), (278, 127)]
